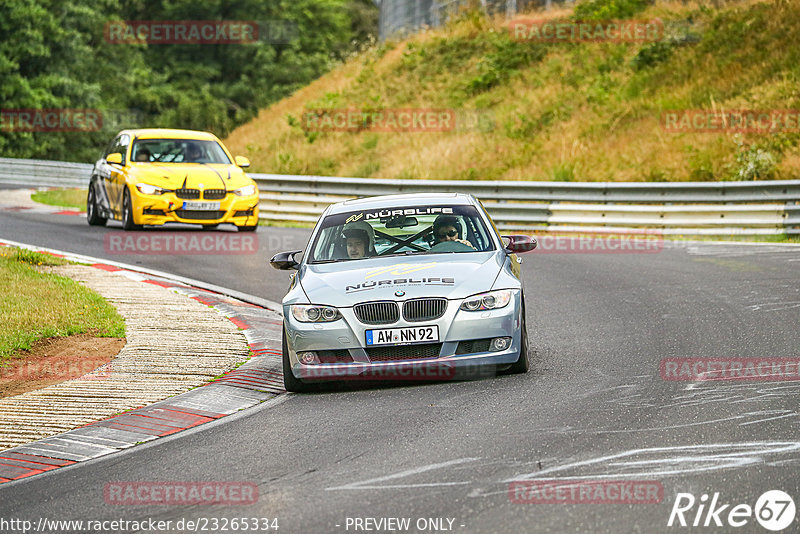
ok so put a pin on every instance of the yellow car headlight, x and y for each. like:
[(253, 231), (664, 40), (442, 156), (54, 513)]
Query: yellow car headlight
[(147, 189), (245, 191)]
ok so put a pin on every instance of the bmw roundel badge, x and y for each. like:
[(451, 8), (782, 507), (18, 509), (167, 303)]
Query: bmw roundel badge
[(399, 293)]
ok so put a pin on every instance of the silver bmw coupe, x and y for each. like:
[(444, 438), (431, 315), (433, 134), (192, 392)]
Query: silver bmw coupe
[(404, 287)]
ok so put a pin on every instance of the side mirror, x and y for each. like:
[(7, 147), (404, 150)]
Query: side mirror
[(285, 260), (115, 158), (242, 162), (517, 244)]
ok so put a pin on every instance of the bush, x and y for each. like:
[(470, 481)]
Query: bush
[(651, 54), (676, 33), (755, 163), (600, 10), (565, 172), (507, 57)]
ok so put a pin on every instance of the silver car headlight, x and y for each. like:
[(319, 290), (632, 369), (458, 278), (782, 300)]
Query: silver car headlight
[(312, 313), (147, 189), (487, 301), (245, 191)]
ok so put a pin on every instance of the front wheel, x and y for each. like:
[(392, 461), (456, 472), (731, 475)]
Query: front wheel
[(127, 212), (92, 213), (290, 383), (247, 228), (522, 365)]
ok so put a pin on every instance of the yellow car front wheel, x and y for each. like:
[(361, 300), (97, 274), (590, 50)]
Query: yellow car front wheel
[(127, 212)]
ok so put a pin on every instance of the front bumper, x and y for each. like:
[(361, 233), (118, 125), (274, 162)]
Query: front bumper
[(456, 326), (157, 210)]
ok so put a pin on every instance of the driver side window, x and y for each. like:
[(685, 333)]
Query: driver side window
[(120, 144), (110, 148), (124, 141)]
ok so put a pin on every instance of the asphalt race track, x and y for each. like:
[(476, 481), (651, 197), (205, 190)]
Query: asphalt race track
[(593, 407)]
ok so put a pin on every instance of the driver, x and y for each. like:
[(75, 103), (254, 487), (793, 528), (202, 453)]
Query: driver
[(193, 153), (447, 228), (360, 239)]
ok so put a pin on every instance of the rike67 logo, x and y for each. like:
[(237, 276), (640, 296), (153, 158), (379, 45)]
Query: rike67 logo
[(774, 510)]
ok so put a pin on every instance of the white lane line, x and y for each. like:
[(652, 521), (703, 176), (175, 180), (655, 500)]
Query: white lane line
[(793, 414), (369, 484), (710, 457)]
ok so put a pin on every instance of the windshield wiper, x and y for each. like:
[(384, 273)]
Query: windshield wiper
[(407, 253)]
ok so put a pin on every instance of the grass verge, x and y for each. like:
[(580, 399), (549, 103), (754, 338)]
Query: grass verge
[(64, 198), (37, 305)]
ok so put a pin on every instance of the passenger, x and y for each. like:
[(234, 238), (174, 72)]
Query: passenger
[(360, 240), (143, 155), (447, 228)]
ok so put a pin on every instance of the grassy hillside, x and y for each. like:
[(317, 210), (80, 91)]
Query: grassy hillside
[(560, 111)]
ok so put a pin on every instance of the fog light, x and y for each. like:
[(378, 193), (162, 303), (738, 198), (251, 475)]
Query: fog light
[(308, 358), (500, 343)]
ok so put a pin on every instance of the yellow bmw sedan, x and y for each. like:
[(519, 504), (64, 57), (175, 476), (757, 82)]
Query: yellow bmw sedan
[(158, 176)]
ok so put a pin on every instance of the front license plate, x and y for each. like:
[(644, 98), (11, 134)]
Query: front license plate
[(400, 336), (201, 206)]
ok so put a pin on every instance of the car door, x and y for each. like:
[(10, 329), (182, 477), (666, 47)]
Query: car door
[(116, 180), (102, 172)]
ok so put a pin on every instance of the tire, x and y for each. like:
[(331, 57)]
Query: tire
[(92, 215), (127, 212), (247, 228), (290, 383), (522, 364)]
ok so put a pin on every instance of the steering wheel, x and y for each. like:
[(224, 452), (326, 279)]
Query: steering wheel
[(451, 246)]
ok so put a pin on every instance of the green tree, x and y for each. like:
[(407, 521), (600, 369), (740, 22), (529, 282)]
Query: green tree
[(54, 54)]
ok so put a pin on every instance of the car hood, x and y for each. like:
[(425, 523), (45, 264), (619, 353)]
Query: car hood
[(173, 175), (453, 276)]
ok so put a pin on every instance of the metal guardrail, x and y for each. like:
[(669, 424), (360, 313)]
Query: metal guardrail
[(670, 208), (37, 173)]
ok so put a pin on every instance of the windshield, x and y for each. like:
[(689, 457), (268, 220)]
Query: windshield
[(404, 230), (178, 151)]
